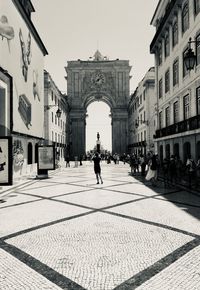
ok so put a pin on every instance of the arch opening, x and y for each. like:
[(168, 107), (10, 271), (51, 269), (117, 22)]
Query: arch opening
[(98, 120), (30, 153)]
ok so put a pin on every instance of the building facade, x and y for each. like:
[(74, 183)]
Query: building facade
[(177, 89), (98, 79), (56, 117), (21, 83), (142, 115)]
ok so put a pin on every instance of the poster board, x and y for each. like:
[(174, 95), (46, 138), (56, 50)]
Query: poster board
[(6, 172), (46, 157)]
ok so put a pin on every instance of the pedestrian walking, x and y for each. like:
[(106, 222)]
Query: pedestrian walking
[(158, 165), (172, 170), (97, 167), (124, 158), (191, 168), (152, 172), (81, 159), (115, 158), (137, 162), (142, 164), (165, 169), (67, 159), (179, 168), (108, 159), (132, 164)]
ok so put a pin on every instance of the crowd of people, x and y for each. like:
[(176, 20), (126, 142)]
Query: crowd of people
[(172, 170)]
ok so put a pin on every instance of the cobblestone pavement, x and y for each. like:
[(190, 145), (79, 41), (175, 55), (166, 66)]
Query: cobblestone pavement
[(67, 232)]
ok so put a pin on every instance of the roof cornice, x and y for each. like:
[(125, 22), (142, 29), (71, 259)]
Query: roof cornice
[(169, 8), (30, 25)]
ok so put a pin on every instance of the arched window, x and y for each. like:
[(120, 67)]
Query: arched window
[(36, 153), (186, 150), (161, 153), (167, 151), (30, 153), (176, 149), (185, 17)]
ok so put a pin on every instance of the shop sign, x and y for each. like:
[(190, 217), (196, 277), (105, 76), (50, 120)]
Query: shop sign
[(46, 157)]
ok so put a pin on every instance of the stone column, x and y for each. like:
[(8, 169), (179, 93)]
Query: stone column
[(77, 118), (119, 131)]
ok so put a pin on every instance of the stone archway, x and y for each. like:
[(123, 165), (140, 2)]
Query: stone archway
[(93, 80)]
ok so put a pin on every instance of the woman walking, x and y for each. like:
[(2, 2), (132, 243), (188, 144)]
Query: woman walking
[(152, 171), (97, 167)]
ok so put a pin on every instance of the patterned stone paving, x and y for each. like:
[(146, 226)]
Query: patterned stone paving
[(99, 245), (182, 275), (67, 232), (16, 275)]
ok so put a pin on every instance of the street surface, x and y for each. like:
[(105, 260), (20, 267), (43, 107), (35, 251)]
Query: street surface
[(67, 232)]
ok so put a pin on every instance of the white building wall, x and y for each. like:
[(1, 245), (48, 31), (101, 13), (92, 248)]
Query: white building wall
[(143, 100), (187, 84)]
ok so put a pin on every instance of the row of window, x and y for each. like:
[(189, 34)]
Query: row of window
[(138, 102), (175, 29), (141, 119), (57, 121), (186, 110), (175, 150), (58, 138), (57, 101), (141, 135), (175, 71)]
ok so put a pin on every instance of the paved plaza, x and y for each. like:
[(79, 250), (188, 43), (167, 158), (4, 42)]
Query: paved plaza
[(67, 232)]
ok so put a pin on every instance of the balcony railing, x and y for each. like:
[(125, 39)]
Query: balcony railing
[(180, 127), (138, 144)]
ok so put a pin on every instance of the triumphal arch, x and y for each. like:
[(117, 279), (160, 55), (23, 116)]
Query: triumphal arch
[(98, 79)]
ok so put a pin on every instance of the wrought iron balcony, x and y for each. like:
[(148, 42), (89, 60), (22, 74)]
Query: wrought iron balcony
[(138, 144), (180, 127)]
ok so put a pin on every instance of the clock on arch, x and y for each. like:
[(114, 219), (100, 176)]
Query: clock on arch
[(98, 78)]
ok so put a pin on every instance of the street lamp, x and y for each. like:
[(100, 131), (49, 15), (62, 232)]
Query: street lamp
[(190, 58), (58, 112), (140, 121)]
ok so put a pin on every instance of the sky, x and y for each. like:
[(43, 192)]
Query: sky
[(75, 29)]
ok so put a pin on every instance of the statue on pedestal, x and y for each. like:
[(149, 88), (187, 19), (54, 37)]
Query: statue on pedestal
[(98, 142)]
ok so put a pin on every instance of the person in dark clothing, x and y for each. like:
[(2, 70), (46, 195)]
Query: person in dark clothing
[(172, 170), (165, 168), (154, 167), (81, 159), (132, 164), (67, 159), (142, 164), (97, 167), (179, 168)]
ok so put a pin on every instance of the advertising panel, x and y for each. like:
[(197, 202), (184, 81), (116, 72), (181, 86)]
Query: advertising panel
[(22, 58), (5, 160), (46, 157)]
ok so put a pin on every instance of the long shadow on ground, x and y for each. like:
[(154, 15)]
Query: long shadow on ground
[(184, 199)]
